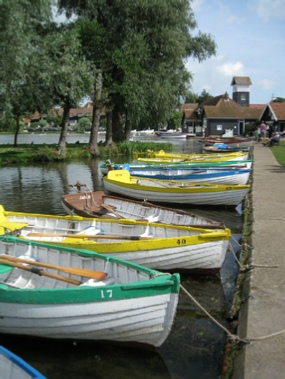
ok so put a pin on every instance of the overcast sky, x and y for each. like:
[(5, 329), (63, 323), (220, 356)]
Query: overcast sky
[(250, 38)]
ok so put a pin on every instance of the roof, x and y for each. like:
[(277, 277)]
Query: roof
[(190, 110), (277, 109), (224, 107), (241, 80)]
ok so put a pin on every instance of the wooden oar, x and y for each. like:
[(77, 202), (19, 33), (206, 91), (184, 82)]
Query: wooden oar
[(40, 272), (99, 275), (101, 236), (111, 209)]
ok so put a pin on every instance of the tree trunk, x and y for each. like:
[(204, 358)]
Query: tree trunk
[(97, 105), (17, 131), (64, 128), (109, 132), (118, 122), (128, 129)]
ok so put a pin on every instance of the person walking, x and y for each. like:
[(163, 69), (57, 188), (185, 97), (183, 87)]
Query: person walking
[(263, 128)]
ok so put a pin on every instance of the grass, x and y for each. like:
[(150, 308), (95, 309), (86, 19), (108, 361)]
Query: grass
[(279, 152), (49, 153)]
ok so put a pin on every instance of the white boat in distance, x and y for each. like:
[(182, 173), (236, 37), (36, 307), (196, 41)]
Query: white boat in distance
[(60, 293), (174, 191)]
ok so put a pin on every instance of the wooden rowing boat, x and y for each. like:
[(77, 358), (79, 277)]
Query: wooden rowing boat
[(14, 367), (99, 204), (174, 191), (154, 245), (132, 304)]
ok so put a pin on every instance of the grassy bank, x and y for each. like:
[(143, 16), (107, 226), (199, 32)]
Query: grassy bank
[(49, 153)]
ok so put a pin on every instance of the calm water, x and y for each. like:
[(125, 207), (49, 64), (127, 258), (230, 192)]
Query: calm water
[(195, 346)]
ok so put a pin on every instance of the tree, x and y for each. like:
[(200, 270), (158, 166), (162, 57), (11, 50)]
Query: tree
[(20, 21), (140, 46)]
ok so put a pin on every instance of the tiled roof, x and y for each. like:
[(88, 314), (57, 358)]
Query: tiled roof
[(241, 80), (224, 107), (189, 110), (278, 109)]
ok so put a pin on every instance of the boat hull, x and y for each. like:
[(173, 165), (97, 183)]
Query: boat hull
[(93, 204), (14, 367), (162, 191), (133, 305), (153, 245)]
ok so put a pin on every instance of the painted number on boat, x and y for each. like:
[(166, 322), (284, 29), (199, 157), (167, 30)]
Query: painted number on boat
[(85, 197), (181, 241), (106, 294)]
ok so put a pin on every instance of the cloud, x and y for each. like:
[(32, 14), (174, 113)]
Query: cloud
[(267, 10), (231, 68)]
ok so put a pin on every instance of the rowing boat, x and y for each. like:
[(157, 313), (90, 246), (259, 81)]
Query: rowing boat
[(14, 367), (206, 175), (161, 246), (194, 156), (104, 299), (238, 164), (99, 204), (174, 191)]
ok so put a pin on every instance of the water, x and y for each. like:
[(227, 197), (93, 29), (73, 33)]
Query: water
[(195, 346)]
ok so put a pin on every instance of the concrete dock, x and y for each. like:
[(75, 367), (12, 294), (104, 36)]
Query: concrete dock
[(262, 316)]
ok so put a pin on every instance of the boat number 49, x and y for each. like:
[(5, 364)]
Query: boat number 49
[(106, 294)]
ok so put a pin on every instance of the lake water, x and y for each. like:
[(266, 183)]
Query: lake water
[(195, 346)]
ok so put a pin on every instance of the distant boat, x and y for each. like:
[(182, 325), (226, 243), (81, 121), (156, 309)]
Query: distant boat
[(174, 191), (231, 141), (14, 367), (171, 135), (62, 293), (223, 148)]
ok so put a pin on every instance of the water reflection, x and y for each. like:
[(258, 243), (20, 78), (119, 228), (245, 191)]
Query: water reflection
[(195, 346)]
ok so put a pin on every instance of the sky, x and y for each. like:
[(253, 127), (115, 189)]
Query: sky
[(250, 38)]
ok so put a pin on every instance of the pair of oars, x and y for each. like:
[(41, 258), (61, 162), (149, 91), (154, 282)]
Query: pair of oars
[(20, 263)]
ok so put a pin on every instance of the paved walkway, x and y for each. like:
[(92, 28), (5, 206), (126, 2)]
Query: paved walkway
[(264, 313)]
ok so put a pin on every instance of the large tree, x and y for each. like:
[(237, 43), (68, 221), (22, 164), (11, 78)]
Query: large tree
[(141, 53), (20, 21)]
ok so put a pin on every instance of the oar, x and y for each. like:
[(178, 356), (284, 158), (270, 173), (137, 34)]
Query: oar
[(71, 270), (40, 272), (101, 236), (111, 209)]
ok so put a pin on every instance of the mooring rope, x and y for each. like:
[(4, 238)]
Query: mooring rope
[(232, 337)]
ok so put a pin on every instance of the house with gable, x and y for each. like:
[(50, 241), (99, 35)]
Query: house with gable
[(220, 114)]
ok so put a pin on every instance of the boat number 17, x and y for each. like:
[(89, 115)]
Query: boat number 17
[(106, 294)]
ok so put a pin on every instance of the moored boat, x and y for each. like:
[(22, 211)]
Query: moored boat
[(14, 367), (197, 158), (223, 148), (201, 175), (164, 155), (238, 164), (234, 141), (128, 304), (174, 191), (99, 204), (161, 246)]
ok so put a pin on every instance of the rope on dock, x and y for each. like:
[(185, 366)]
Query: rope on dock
[(232, 337)]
